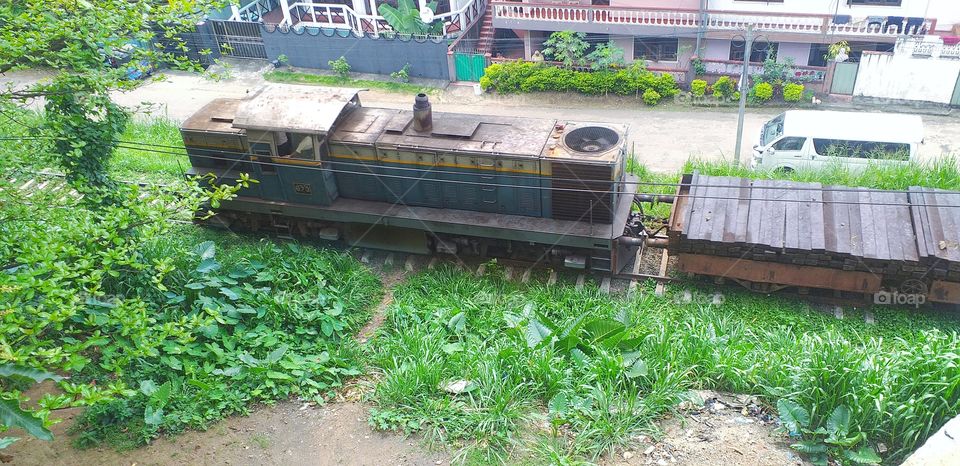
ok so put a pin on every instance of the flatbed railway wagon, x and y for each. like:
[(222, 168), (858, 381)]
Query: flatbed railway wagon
[(416, 181), (835, 240)]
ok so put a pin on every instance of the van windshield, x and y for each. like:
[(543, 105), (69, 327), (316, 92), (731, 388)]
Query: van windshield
[(772, 130)]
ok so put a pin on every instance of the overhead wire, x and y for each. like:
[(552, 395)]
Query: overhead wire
[(181, 151)]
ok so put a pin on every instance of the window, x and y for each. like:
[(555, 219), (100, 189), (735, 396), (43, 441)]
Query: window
[(655, 48), (790, 144), (758, 53), (818, 55), (875, 2), (260, 148), (296, 146), (862, 149), (772, 130)]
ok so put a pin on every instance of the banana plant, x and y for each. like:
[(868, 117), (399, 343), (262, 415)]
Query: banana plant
[(405, 18)]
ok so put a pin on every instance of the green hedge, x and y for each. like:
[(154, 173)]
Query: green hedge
[(523, 76)]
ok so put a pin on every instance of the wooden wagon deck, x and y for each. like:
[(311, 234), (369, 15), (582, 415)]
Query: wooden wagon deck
[(899, 234)]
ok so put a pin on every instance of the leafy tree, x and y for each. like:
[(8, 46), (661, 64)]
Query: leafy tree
[(75, 39), (405, 18), (567, 47), (606, 56)]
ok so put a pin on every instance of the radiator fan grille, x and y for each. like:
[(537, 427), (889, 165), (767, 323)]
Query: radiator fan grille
[(591, 139)]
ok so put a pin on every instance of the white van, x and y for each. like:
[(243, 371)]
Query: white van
[(811, 139)]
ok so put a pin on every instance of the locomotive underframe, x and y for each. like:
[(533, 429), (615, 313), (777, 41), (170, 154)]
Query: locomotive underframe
[(424, 230)]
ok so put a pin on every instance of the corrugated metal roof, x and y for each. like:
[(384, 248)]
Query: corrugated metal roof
[(297, 109), (854, 126)]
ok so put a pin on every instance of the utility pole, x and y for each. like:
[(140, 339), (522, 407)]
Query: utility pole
[(744, 82), (703, 27)]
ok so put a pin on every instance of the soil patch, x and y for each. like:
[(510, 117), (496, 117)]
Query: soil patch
[(289, 433)]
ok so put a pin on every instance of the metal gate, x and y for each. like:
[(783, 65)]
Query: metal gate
[(955, 101), (844, 78), (469, 66), (240, 39)]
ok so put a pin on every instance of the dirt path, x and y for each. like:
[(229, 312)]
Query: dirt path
[(288, 433)]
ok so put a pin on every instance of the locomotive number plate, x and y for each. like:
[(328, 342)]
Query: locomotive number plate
[(302, 188)]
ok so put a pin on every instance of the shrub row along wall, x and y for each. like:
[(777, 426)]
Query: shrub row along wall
[(314, 47)]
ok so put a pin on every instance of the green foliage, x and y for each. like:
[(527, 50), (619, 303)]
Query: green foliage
[(403, 74), (651, 97), (833, 440), (606, 367), (308, 78), (762, 92), (779, 73), (698, 88), (606, 56), (699, 68), (12, 414), (568, 47), (835, 49), (283, 59), (793, 92), (340, 66), (521, 76), (942, 173), (724, 88), (405, 18)]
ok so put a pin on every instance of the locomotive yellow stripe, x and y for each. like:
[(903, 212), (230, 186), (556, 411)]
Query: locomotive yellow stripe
[(443, 165)]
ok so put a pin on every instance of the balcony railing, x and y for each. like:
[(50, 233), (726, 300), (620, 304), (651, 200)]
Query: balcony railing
[(713, 20), (596, 14), (735, 68), (339, 16)]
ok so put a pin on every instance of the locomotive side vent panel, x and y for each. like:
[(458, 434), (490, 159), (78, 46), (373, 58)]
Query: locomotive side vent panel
[(582, 192)]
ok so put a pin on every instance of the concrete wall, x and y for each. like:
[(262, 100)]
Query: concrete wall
[(717, 49), (828, 7), (900, 77), (314, 47), (947, 13), (800, 53)]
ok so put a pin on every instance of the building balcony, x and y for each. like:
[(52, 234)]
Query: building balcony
[(715, 23), (313, 14)]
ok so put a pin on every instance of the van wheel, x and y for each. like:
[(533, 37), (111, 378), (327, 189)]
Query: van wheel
[(783, 171)]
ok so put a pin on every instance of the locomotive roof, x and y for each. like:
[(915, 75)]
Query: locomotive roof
[(298, 109), (451, 132), (216, 116)]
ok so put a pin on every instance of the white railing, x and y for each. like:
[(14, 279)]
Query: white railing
[(766, 23), (735, 68), (589, 14), (715, 20), (950, 51), (254, 10), (339, 16)]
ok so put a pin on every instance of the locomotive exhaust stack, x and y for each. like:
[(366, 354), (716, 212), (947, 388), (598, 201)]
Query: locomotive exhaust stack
[(422, 114)]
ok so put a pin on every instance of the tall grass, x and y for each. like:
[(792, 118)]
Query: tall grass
[(900, 378), (21, 150), (943, 173), (337, 81)]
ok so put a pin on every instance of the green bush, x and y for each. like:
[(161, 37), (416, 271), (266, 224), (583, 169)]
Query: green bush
[(762, 92), (698, 87), (724, 88), (340, 66), (793, 92), (651, 97), (521, 76)]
